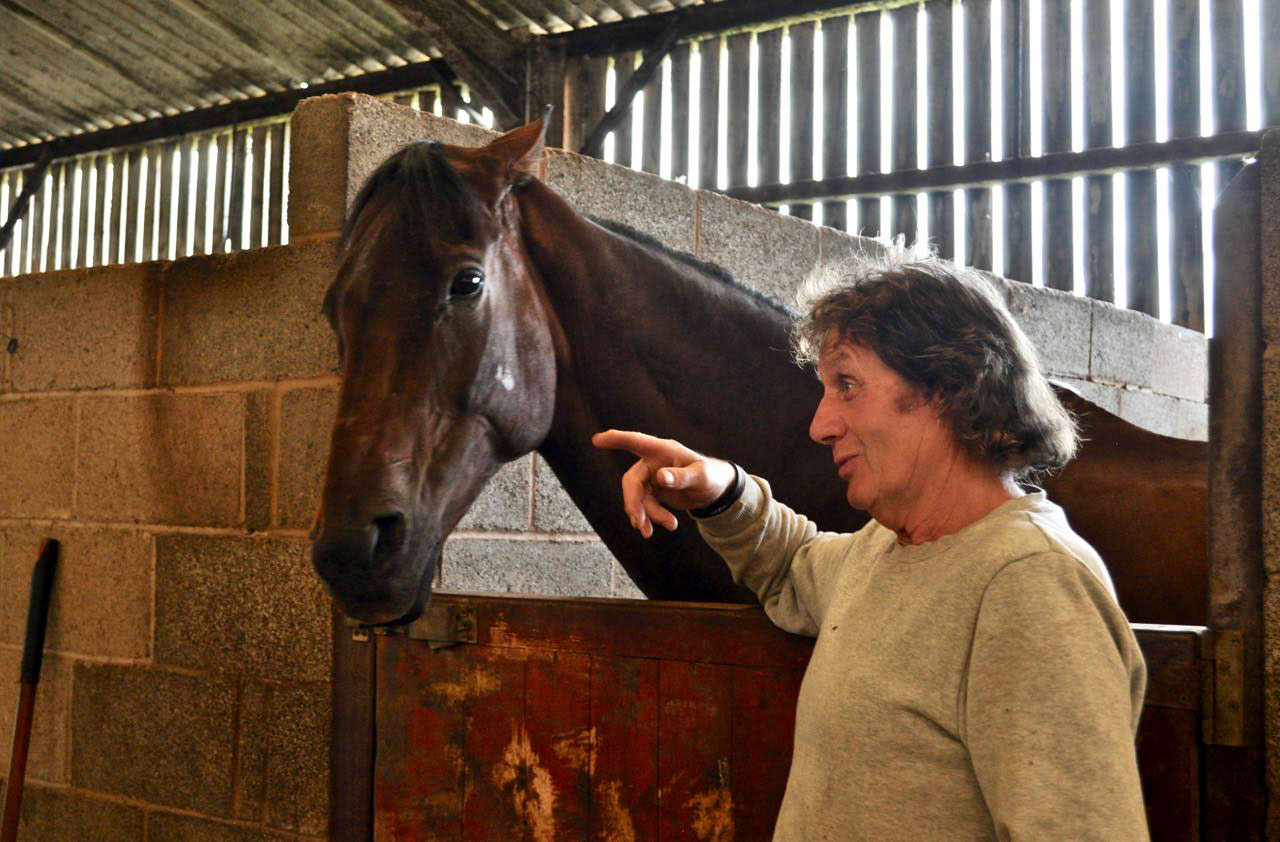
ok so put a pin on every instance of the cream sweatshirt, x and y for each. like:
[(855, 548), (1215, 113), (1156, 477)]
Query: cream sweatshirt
[(982, 686)]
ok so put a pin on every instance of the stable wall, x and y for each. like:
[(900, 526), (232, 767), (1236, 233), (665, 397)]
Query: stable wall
[(168, 422)]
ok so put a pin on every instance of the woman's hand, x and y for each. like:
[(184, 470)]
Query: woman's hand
[(667, 473)]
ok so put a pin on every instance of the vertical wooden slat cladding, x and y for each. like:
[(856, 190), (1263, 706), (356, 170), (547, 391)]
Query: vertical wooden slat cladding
[(235, 190), (802, 87), (624, 719), (680, 112), (624, 65), (651, 144), (1140, 185), (66, 201), (736, 140), (102, 211), (203, 165), (764, 729), (769, 105), (1227, 31), (904, 115), (1058, 230), (941, 125), (977, 127), (695, 746), (503, 777), (135, 203), (835, 111), (1170, 773), (1016, 64), (221, 182), (1099, 231), (165, 189), (150, 200), (114, 223), (867, 35), (35, 227), (558, 715), (1270, 38), (258, 182), (592, 76), (275, 184), (427, 101), (187, 151), (1186, 237), (708, 111), (57, 218), (85, 211)]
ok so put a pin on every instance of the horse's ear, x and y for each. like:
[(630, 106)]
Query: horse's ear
[(518, 151)]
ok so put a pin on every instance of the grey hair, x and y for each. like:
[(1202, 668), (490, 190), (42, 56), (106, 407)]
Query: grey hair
[(945, 330)]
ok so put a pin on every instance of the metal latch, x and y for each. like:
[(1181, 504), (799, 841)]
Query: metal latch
[(445, 625), (1223, 722)]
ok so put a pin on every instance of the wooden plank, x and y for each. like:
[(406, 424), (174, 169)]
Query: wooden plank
[(67, 218), (1140, 187), (53, 242), (165, 198), (186, 205), (763, 728), (1059, 248), (576, 89), (116, 220), (85, 211), (905, 155), (351, 751), (235, 189), (1271, 63), (651, 145), (1168, 745), (499, 795), (680, 98), (591, 103), (204, 167), (941, 117), (624, 66), (867, 36), (134, 202), (1227, 48), (624, 716), (694, 750), (35, 227), (276, 186), (739, 81), (802, 88), (708, 112), (977, 122), (1016, 65), (835, 110), (557, 707), (1099, 230), (102, 211), (258, 184), (769, 105), (5, 204), (1186, 236), (427, 99), (221, 182)]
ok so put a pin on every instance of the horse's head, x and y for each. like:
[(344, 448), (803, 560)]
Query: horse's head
[(447, 365)]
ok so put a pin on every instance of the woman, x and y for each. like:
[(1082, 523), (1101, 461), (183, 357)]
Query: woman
[(973, 676)]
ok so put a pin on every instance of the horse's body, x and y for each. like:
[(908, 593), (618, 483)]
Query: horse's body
[(587, 326)]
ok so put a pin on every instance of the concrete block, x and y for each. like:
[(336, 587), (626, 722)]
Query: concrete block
[(623, 587), (47, 758), (306, 420), (154, 736), (1180, 363), (176, 827), (566, 568), (841, 252), (37, 453), (338, 140), (85, 329), (553, 509), (771, 253), (652, 205), (261, 427), (252, 751), (101, 604), (298, 768), (1121, 348), (58, 814), (1102, 395), (6, 334), (172, 459), (250, 606), (503, 504), (249, 315), (1165, 415), (1058, 324)]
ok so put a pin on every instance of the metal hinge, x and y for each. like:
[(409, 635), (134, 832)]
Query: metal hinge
[(445, 625), (1223, 688)]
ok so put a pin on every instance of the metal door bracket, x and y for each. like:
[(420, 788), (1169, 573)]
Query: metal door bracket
[(1223, 722)]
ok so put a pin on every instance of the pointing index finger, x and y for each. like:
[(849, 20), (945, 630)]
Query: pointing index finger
[(641, 444)]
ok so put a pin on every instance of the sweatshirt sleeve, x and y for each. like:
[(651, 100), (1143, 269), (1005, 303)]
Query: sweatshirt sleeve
[(775, 552), (1050, 705)]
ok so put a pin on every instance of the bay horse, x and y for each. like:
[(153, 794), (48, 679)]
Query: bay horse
[(480, 317)]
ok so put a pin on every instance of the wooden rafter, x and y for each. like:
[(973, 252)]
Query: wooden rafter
[(489, 60), (33, 179)]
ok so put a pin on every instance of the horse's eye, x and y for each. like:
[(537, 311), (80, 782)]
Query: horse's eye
[(467, 283)]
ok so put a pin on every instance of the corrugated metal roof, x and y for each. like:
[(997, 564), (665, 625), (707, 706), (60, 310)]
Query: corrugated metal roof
[(70, 66)]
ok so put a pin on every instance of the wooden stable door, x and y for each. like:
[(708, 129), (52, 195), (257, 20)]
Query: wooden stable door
[(510, 718)]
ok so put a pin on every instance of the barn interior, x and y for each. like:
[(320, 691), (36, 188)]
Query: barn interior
[(173, 184)]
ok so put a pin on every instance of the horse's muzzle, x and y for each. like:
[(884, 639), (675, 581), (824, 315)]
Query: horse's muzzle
[(370, 569)]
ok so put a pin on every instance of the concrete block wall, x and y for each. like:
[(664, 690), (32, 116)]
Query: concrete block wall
[(168, 422)]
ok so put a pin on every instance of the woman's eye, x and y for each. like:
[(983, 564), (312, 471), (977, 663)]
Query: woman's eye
[(467, 283)]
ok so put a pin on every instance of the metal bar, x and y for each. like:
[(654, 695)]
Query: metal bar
[(1106, 160), (867, 37), (739, 81), (802, 87), (835, 110), (942, 223), (708, 112), (904, 117)]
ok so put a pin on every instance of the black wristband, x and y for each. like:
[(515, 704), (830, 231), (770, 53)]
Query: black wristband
[(728, 498)]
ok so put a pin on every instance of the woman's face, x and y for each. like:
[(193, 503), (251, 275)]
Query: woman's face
[(888, 443)]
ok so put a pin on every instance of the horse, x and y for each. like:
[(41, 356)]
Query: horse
[(480, 317)]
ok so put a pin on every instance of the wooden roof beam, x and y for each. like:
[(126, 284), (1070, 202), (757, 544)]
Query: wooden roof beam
[(489, 60)]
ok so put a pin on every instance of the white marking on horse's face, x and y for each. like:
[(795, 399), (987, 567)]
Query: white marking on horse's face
[(506, 378)]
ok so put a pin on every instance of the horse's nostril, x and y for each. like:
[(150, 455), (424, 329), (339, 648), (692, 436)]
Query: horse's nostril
[(390, 529)]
